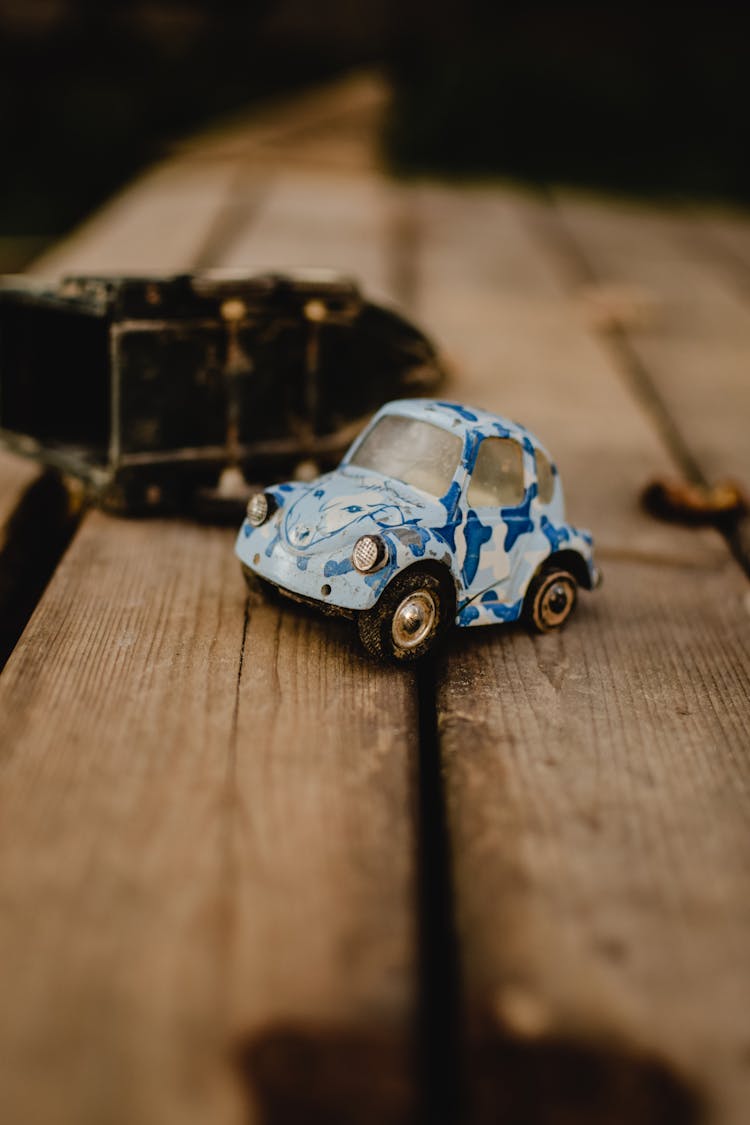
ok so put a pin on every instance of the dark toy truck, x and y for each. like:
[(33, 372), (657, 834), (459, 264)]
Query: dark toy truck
[(150, 388)]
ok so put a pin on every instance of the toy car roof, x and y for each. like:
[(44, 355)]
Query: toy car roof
[(462, 419)]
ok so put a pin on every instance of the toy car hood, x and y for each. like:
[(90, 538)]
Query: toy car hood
[(342, 506)]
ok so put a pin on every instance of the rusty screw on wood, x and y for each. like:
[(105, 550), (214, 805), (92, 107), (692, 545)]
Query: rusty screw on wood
[(696, 504)]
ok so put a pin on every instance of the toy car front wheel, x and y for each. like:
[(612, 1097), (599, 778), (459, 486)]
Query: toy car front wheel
[(411, 616), (550, 599), (258, 589)]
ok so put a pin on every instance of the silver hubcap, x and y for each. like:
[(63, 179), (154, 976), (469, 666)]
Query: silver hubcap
[(414, 619), (555, 604)]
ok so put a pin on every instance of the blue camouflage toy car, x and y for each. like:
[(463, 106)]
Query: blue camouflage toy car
[(438, 514)]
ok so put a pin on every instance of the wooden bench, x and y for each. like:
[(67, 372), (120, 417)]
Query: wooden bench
[(246, 874)]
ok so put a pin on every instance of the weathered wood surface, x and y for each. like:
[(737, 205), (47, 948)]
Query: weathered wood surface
[(692, 333), (213, 862), (587, 774)]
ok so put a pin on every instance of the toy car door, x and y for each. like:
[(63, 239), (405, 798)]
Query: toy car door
[(498, 497)]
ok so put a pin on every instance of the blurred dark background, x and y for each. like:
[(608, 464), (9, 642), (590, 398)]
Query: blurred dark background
[(630, 98)]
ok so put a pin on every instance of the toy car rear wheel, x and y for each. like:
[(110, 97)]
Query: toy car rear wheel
[(411, 616), (550, 599)]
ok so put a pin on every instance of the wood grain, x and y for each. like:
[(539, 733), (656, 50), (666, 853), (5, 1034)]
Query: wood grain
[(116, 723), (695, 341), (324, 967), (599, 819), (601, 965), (185, 869), (158, 224)]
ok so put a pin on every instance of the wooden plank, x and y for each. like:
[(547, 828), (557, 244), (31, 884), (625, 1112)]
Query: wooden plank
[(323, 1000), (333, 126), (158, 224), (209, 863), (330, 219), (364, 1047), (115, 727), (600, 831), (187, 871), (727, 234), (695, 345), (593, 780)]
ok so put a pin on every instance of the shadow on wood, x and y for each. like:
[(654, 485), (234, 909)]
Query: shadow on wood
[(555, 1080), (326, 1077), (35, 537)]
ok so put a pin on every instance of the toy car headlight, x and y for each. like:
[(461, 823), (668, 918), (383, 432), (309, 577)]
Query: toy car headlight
[(259, 508), (369, 553)]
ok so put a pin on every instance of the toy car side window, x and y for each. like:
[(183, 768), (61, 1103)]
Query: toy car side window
[(544, 478), (497, 480)]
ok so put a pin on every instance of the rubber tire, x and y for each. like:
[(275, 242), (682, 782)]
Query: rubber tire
[(258, 589), (375, 625), (541, 581)]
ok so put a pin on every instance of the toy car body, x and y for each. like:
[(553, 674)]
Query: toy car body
[(437, 513)]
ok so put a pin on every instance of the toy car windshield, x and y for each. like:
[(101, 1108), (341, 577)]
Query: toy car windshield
[(411, 451)]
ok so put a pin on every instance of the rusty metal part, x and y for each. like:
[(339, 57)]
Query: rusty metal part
[(148, 389), (696, 504)]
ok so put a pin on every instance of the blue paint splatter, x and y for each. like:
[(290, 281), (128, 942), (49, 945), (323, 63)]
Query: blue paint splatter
[(450, 501), (467, 414), (518, 519), (506, 612), (333, 568), (451, 498), (471, 449), (489, 596), (285, 487), (528, 446), (302, 561), (501, 430), (555, 535), (380, 578), (476, 534), (247, 529), (499, 610), (318, 493), (271, 545)]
